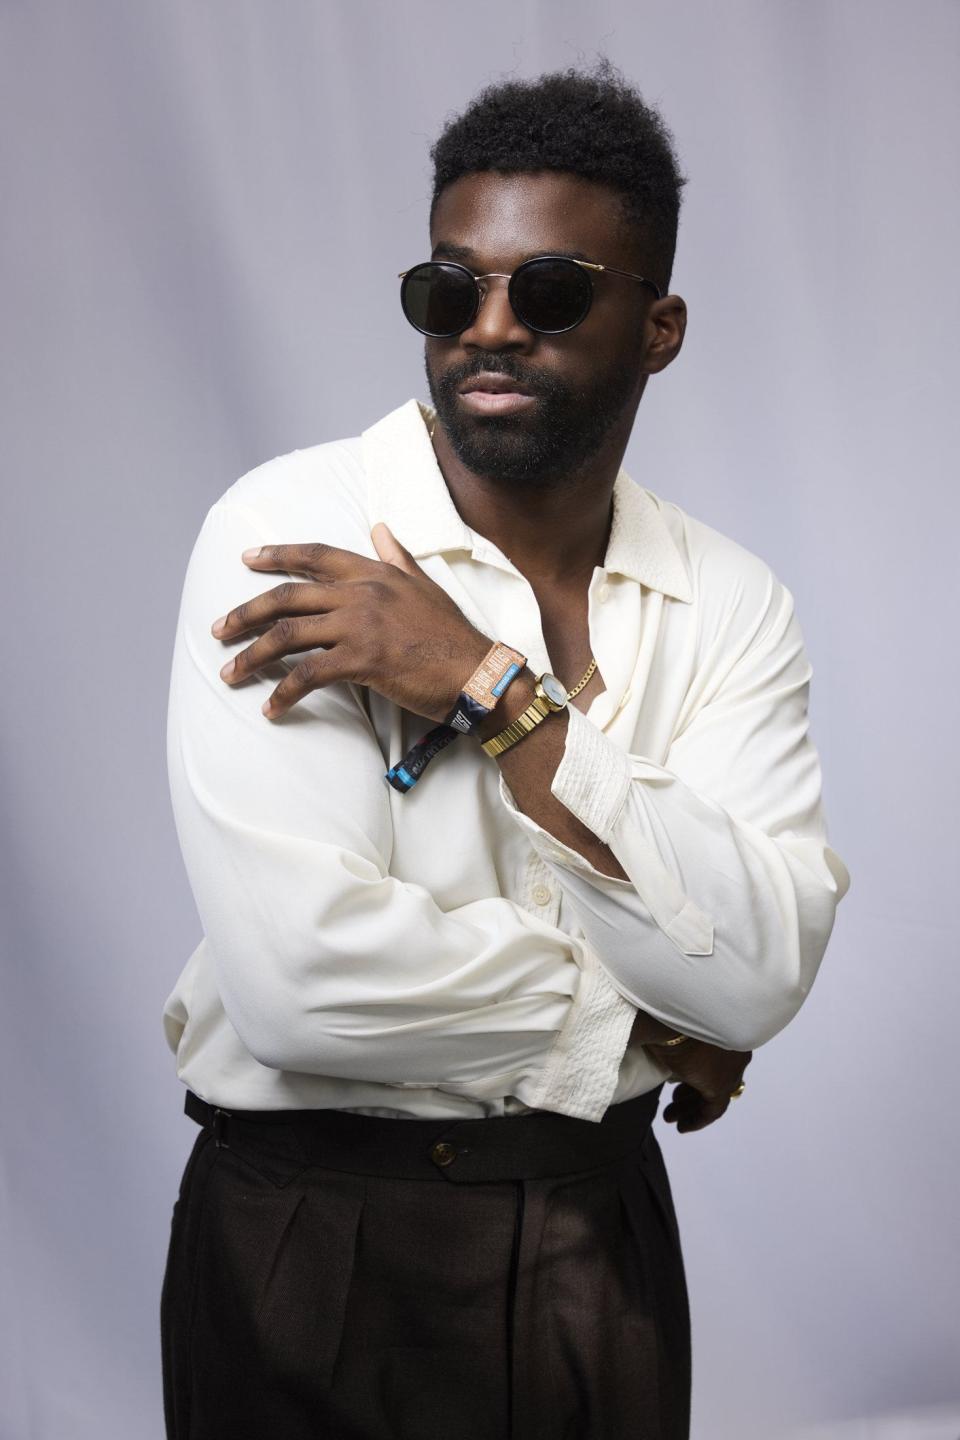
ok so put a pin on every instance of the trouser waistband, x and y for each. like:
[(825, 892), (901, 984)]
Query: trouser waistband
[(537, 1144)]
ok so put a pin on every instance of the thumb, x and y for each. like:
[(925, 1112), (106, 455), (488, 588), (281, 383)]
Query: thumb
[(390, 550)]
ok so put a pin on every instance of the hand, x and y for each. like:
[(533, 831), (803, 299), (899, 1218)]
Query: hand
[(382, 623), (707, 1075)]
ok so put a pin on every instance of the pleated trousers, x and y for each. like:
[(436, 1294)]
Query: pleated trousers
[(339, 1275)]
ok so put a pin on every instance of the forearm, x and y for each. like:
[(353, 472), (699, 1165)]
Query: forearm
[(695, 881), (700, 885), (529, 767)]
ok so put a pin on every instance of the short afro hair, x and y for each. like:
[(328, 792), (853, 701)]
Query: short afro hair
[(588, 123)]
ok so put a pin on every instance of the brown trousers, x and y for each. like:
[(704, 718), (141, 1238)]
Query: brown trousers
[(345, 1276)]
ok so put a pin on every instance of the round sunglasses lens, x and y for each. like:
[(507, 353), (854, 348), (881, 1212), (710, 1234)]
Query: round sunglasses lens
[(551, 295), (439, 299)]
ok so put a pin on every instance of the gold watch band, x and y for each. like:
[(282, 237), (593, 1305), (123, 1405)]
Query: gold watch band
[(529, 720)]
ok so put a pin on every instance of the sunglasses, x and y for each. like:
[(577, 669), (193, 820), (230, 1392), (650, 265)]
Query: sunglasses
[(549, 294)]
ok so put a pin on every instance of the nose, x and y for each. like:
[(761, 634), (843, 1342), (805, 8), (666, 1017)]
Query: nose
[(495, 326)]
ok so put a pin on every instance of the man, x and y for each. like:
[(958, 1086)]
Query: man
[(442, 984)]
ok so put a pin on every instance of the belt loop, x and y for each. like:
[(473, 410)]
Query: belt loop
[(218, 1139)]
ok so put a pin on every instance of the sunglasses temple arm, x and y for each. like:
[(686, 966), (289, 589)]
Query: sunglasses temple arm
[(628, 273)]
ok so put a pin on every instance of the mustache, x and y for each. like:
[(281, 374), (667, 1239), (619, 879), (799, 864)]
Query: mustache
[(493, 364)]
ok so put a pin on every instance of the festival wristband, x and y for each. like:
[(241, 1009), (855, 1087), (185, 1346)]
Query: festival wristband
[(499, 666), (404, 776)]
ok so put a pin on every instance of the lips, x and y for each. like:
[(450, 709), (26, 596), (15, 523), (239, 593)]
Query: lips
[(490, 394), (490, 384)]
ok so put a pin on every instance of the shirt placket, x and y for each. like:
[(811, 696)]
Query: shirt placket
[(540, 893)]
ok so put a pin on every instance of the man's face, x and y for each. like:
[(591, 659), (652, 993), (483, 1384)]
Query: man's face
[(583, 382)]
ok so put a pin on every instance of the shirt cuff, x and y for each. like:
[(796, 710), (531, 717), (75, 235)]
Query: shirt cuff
[(582, 1069), (593, 776), (592, 780)]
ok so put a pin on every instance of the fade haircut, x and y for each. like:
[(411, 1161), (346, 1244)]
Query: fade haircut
[(590, 123)]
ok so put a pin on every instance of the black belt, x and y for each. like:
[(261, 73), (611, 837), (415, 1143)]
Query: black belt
[(533, 1145)]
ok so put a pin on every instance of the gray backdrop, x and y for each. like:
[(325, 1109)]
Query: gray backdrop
[(192, 193)]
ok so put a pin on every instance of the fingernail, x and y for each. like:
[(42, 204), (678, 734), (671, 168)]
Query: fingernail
[(267, 707), (228, 669), (218, 625), (252, 554)]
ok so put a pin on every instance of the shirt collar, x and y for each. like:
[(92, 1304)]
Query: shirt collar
[(409, 493)]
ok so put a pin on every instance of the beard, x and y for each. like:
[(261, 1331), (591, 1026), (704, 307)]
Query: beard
[(548, 443)]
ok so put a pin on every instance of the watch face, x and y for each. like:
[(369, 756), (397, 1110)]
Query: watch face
[(553, 689)]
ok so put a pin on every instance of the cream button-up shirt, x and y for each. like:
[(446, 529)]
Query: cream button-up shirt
[(438, 953)]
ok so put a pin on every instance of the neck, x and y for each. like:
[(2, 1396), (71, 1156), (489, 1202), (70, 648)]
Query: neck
[(553, 536)]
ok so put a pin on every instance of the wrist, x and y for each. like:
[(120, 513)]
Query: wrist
[(518, 695), (496, 667), (465, 664), (647, 1030)]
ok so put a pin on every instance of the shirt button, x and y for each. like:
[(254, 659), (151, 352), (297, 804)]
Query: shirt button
[(442, 1153), (541, 895), (603, 593)]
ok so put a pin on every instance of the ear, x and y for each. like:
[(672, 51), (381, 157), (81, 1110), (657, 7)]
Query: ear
[(667, 322), (390, 550)]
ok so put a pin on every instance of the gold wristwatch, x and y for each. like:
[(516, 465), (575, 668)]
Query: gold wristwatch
[(550, 695)]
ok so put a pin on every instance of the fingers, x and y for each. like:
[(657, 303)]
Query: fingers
[(323, 562), (311, 674), (710, 1111), (291, 598), (286, 637), (684, 1104), (390, 550), (682, 1096), (689, 1110)]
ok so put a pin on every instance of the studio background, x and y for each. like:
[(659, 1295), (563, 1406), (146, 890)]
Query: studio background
[(204, 209)]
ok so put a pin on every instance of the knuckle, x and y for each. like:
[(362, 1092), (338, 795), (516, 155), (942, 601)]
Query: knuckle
[(377, 590), (283, 594), (316, 552), (285, 629), (304, 675)]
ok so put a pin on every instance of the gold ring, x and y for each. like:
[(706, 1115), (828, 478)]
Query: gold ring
[(677, 1040), (735, 1094)]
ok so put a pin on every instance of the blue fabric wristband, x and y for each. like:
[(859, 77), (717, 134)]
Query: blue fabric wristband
[(462, 720)]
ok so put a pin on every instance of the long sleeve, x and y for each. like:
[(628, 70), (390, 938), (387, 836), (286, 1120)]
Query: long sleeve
[(325, 962), (732, 890)]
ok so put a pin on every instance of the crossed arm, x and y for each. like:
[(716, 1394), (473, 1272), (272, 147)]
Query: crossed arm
[(705, 891), (707, 1073)]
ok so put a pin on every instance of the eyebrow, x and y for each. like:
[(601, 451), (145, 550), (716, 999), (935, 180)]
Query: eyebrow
[(447, 250)]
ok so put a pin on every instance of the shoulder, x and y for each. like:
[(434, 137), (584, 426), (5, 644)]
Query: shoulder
[(320, 492), (305, 496)]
